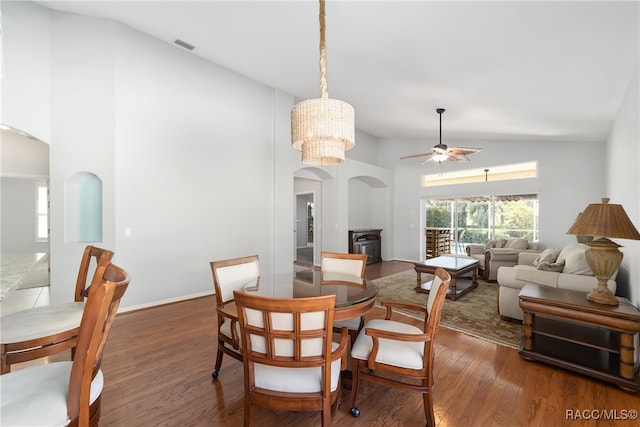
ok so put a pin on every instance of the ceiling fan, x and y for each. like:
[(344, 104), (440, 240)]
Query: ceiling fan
[(441, 153)]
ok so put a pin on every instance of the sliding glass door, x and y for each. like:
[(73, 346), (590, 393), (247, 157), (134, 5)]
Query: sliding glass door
[(476, 219)]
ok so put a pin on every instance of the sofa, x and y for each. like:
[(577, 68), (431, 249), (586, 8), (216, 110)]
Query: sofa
[(564, 268), (496, 253)]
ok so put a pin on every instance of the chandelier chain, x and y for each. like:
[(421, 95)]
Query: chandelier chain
[(324, 92)]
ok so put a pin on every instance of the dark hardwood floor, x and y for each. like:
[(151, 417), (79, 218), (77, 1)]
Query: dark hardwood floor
[(158, 362)]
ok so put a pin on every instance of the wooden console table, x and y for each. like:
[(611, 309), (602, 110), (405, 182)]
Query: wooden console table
[(564, 329), (366, 241)]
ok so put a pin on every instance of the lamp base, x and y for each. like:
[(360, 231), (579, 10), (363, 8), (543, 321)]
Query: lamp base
[(602, 295), (604, 258)]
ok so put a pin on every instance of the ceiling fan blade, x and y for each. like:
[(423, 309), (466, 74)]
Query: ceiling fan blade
[(417, 155), (464, 150), (429, 160), (456, 157)]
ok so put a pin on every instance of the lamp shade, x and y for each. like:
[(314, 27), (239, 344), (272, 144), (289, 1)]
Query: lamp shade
[(323, 129), (605, 220)]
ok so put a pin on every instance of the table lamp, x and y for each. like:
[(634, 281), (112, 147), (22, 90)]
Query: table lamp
[(603, 220)]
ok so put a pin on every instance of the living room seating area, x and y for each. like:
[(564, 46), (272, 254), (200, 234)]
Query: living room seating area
[(496, 253), (564, 268)]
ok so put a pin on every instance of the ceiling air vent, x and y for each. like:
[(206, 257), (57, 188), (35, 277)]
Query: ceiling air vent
[(184, 44)]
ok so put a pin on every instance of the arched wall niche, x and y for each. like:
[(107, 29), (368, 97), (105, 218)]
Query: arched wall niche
[(371, 181), (368, 201), (83, 208), (317, 174)]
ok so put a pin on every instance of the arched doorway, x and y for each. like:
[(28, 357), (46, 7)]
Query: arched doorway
[(24, 172)]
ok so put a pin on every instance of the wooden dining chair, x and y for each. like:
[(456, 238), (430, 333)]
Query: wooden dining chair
[(386, 346), (46, 330), (68, 392), (230, 275), (348, 264), (290, 361)]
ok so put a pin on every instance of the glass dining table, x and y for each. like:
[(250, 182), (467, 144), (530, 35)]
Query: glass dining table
[(355, 296)]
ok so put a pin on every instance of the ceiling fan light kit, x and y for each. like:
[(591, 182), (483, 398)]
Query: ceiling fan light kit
[(322, 129), (442, 153)]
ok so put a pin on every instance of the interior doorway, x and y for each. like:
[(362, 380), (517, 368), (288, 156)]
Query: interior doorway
[(305, 228)]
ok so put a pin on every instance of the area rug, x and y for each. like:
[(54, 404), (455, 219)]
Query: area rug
[(475, 313)]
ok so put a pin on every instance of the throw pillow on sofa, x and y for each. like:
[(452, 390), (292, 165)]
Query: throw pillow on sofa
[(575, 260), (506, 242), (548, 255), (488, 244), (556, 267), (517, 244)]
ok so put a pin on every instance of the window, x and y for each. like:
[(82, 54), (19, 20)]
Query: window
[(475, 219), (42, 211), (494, 173)]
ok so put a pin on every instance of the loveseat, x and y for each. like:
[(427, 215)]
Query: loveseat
[(499, 252), (564, 268)]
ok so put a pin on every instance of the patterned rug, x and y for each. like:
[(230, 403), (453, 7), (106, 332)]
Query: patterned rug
[(475, 313)]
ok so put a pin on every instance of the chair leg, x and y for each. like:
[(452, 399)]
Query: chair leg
[(428, 409), (248, 412), (355, 382), (216, 371), (326, 413), (353, 334)]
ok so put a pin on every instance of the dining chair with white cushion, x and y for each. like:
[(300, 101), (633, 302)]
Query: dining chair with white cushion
[(396, 354), (45, 330), (230, 275), (68, 393), (351, 265), (290, 361)]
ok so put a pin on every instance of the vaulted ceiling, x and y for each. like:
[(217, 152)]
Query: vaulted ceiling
[(504, 70)]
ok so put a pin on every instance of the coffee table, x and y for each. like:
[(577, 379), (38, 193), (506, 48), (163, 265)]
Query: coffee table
[(456, 266)]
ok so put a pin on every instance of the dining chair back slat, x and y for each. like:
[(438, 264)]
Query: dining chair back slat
[(92, 258)]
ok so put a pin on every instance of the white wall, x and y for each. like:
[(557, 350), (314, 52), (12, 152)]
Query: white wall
[(569, 177), (25, 97), (82, 121), (23, 156), (360, 200), (376, 185), (186, 151), (623, 184), (365, 150), (200, 185), (24, 163), (18, 217), (195, 160)]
